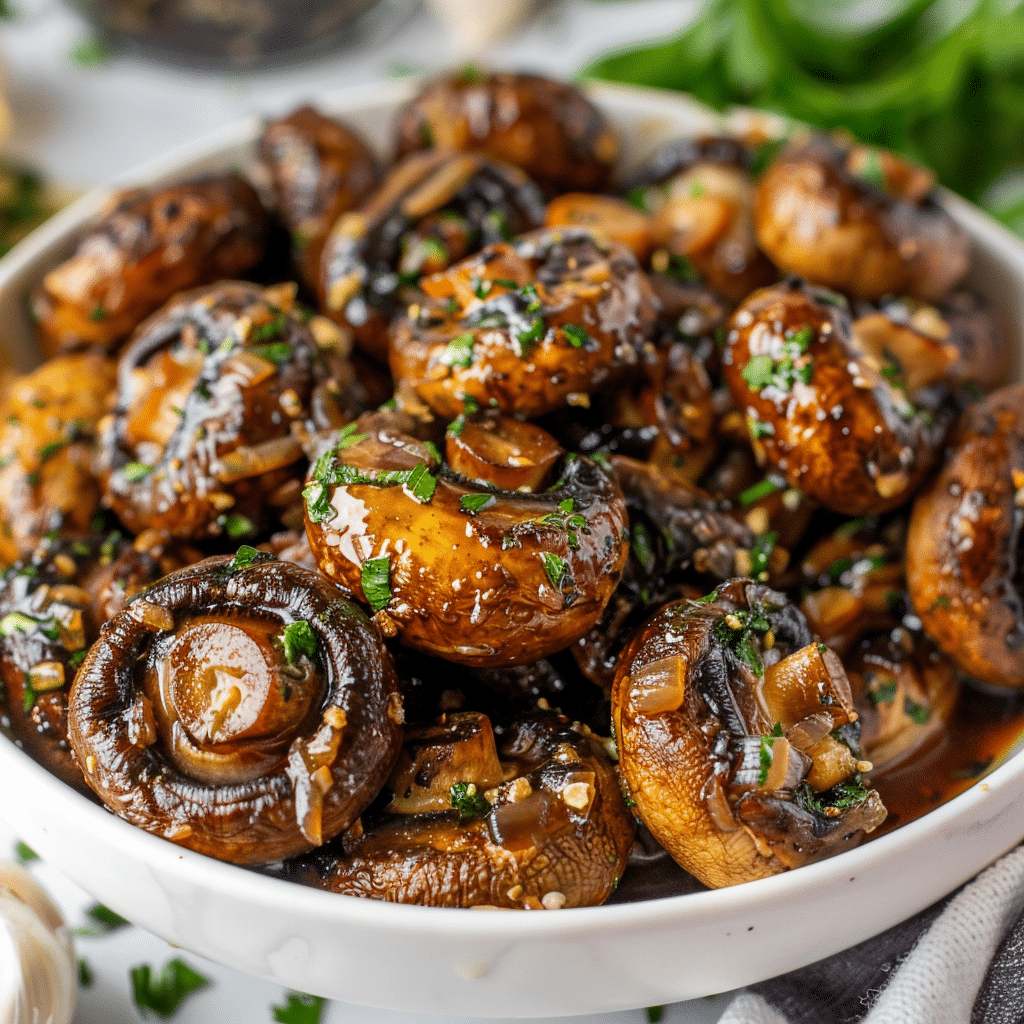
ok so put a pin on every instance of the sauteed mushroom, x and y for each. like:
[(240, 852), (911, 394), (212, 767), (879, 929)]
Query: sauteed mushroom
[(534, 821), (319, 169), (240, 707), (549, 129), (430, 211), (208, 389), (47, 439), (152, 244), (725, 710), (525, 326), (847, 412), (701, 195), (479, 560), (965, 550), (858, 219)]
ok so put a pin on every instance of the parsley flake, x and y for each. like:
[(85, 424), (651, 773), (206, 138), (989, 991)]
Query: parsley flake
[(459, 351), (375, 577), (163, 993), (300, 1008), (473, 503), (468, 801), (135, 471), (299, 641), (575, 335)]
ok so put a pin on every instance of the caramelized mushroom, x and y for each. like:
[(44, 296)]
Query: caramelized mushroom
[(605, 217), (525, 326), (457, 565), (725, 710), (858, 219), (153, 243), (700, 193), (430, 211), (319, 169), (533, 822), (47, 444), (848, 412), (965, 551), (201, 442), (549, 129), (240, 707)]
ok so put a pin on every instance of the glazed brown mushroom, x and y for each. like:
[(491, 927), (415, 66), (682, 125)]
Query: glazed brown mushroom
[(431, 210), (47, 445), (534, 821), (153, 243), (848, 412), (549, 129), (858, 219), (525, 326), (200, 443), (606, 217), (319, 169), (700, 193), (51, 608), (240, 707), (965, 550), (724, 710), (452, 561)]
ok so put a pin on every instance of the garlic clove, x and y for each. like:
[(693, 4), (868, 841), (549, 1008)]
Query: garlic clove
[(38, 983)]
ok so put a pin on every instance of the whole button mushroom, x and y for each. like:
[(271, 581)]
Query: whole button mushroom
[(482, 560), (431, 210), (850, 412), (319, 169), (548, 128), (533, 820), (153, 243), (526, 326), (858, 219), (965, 548), (201, 439), (240, 707), (725, 711)]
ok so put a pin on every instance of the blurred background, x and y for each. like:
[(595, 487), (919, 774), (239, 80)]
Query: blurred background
[(93, 87)]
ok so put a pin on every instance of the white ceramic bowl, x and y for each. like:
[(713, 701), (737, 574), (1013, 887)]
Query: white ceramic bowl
[(489, 964)]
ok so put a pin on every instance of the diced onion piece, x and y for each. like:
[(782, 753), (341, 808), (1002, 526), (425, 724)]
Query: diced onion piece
[(249, 461), (658, 687)]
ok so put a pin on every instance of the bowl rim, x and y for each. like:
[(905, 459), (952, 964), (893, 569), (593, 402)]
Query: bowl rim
[(277, 893)]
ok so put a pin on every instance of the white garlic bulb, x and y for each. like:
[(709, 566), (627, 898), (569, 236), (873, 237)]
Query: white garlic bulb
[(38, 982)]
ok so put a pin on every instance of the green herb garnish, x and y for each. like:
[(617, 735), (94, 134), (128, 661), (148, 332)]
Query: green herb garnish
[(25, 853), (459, 351), (575, 335), (163, 993), (468, 801), (299, 641), (300, 1008), (375, 577), (133, 472), (103, 921), (473, 503), (760, 554), (556, 567)]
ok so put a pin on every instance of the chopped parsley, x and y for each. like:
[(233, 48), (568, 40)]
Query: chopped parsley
[(76, 659), (135, 471), (247, 556), (473, 503), (300, 1008), (641, 541), (163, 993), (761, 490), (916, 712), (459, 351), (842, 795), (299, 641), (565, 519), (347, 437), (237, 526), (762, 371), (760, 429), (85, 978), (375, 577), (277, 353), (883, 693), (468, 801), (654, 1014), (761, 553), (575, 335), (870, 169), (741, 631), (528, 339), (767, 754), (556, 568), (102, 921), (25, 853), (421, 484)]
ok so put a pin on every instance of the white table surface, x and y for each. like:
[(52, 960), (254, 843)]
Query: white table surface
[(83, 125)]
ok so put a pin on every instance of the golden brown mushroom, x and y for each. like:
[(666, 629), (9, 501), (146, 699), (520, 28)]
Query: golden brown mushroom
[(858, 219), (532, 821), (48, 427), (965, 550), (724, 710), (201, 441), (525, 326), (431, 210), (848, 412), (549, 129), (153, 243), (240, 707), (456, 564), (319, 169)]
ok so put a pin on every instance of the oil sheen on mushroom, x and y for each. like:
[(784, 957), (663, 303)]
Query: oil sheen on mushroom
[(849, 412), (526, 326), (965, 551), (240, 707), (858, 219), (548, 128), (725, 710), (153, 243), (483, 559), (533, 820), (201, 441)]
